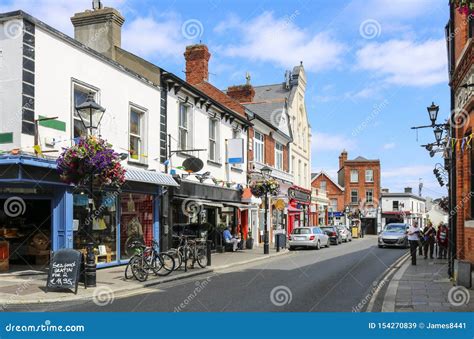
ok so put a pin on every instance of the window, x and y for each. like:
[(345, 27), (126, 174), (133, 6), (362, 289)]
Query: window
[(394, 205), (323, 185), (369, 195), (278, 156), (354, 196), (258, 142), (136, 134), (80, 96), (184, 127), (369, 175), (213, 139), (334, 204), (354, 176)]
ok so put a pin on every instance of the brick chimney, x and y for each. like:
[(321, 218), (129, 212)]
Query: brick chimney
[(197, 63), (408, 190), (241, 93), (342, 159), (99, 28)]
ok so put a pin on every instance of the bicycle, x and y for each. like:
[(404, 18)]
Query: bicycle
[(137, 248), (196, 250), (150, 259)]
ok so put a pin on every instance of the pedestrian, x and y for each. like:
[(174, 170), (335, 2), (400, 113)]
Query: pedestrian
[(442, 239), (229, 239), (429, 236), (413, 237), (420, 239)]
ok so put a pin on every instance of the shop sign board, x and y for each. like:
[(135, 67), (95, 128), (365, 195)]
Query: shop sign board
[(64, 270)]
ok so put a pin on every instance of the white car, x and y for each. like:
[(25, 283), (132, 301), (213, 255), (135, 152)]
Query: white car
[(345, 233), (312, 237)]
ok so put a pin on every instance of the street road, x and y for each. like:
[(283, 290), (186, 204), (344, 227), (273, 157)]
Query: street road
[(334, 279)]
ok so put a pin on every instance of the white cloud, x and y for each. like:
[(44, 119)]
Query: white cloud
[(278, 40), (405, 62), (331, 142), (389, 145)]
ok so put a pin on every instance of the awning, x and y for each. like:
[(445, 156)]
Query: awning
[(240, 206), (208, 203), (150, 177)]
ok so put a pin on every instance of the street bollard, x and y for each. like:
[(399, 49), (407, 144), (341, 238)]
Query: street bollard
[(209, 245)]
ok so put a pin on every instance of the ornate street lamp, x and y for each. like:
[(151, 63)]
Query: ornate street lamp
[(433, 112), (438, 132), (266, 173), (90, 112)]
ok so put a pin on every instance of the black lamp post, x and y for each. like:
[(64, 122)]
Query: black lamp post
[(266, 173), (433, 112), (90, 113)]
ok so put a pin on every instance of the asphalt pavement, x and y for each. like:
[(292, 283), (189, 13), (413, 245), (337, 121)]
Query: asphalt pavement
[(336, 279)]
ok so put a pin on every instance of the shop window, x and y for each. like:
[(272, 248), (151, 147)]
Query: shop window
[(258, 142), (80, 93), (101, 229), (369, 196), (354, 176), (369, 175), (136, 221), (137, 135)]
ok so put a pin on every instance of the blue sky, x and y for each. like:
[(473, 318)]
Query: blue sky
[(372, 65)]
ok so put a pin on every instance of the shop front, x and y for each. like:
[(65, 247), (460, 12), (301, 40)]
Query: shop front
[(298, 207), (205, 211), (40, 213)]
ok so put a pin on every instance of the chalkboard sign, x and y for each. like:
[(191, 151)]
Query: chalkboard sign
[(64, 269)]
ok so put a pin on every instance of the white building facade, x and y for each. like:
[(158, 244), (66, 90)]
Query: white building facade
[(403, 207)]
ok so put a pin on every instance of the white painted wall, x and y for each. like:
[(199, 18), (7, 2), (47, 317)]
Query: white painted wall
[(200, 137), (11, 51), (58, 63)]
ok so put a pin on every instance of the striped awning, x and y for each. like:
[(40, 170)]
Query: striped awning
[(150, 177)]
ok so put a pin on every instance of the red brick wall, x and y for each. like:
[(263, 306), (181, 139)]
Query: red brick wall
[(362, 186), (241, 93), (461, 32), (332, 191), (197, 59)]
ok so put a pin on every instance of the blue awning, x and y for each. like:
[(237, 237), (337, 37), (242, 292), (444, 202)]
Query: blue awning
[(150, 177)]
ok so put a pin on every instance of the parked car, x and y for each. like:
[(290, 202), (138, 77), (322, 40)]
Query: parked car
[(333, 234), (312, 237), (345, 233), (394, 235)]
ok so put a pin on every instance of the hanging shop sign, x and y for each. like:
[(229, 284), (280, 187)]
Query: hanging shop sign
[(235, 151), (280, 204), (192, 165), (299, 195)]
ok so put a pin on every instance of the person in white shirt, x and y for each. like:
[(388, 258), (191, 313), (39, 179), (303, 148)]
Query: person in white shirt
[(413, 237)]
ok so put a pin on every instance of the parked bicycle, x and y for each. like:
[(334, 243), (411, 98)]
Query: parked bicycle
[(190, 250)]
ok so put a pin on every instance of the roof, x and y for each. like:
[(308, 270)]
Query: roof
[(402, 195), (314, 176), (221, 97), (362, 159)]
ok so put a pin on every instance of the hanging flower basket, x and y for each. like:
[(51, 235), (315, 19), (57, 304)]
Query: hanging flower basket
[(463, 6), (259, 187), (91, 155)]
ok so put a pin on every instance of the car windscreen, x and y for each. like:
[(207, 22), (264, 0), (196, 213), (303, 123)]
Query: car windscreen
[(395, 229), (327, 229), (302, 231)]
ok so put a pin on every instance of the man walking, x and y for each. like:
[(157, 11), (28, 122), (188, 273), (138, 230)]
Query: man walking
[(413, 237), (442, 238), (429, 234)]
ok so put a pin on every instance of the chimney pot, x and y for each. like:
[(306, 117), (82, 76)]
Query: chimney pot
[(197, 63)]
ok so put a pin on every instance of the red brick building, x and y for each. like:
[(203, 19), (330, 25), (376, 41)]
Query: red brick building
[(335, 193), (360, 178), (460, 33)]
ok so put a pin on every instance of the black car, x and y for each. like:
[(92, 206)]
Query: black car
[(333, 234)]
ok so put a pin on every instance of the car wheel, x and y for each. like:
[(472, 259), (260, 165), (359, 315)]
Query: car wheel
[(380, 246), (350, 239), (291, 248), (318, 245)]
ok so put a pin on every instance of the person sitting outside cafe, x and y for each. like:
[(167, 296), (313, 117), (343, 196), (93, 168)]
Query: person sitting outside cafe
[(229, 239)]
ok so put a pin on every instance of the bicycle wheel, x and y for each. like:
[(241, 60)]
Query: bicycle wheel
[(140, 269), (128, 269), (178, 259), (163, 264), (201, 257)]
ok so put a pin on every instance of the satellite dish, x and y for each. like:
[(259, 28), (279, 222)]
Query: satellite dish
[(193, 164)]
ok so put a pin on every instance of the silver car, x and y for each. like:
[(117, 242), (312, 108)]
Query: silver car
[(345, 233), (312, 237), (394, 235)]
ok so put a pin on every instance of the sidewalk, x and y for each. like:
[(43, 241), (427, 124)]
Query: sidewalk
[(426, 288), (30, 289)]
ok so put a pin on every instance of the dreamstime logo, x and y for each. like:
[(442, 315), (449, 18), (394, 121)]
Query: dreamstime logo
[(277, 117), (281, 296), (13, 28), (103, 296), (375, 287), (14, 207), (370, 29), (458, 296), (459, 118), (192, 29), (191, 208), (200, 285)]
